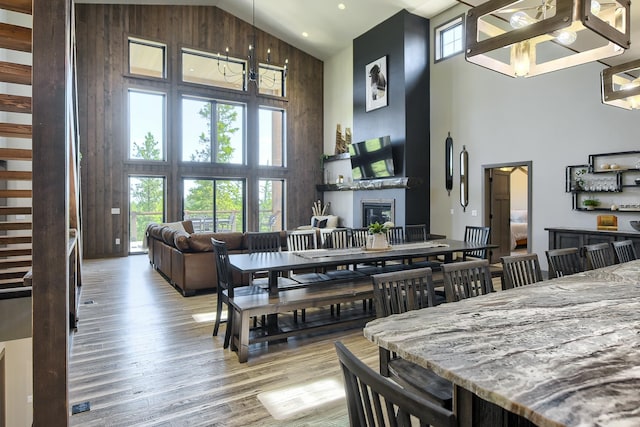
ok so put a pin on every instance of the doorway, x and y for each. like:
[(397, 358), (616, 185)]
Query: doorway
[(507, 207)]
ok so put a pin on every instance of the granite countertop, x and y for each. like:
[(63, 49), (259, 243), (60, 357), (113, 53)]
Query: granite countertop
[(559, 352)]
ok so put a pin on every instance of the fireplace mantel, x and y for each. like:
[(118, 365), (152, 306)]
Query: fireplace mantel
[(373, 184)]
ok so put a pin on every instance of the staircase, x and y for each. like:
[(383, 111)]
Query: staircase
[(15, 143)]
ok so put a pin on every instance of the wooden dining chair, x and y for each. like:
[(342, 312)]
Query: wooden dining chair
[(415, 233), (304, 240), (466, 279), (372, 400), (598, 255), (396, 293), (520, 270), (359, 237), (479, 235), (269, 241), (624, 250), (395, 235), (563, 262), (226, 289)]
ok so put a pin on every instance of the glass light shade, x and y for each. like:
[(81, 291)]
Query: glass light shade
[(559, 34), (621, 85)]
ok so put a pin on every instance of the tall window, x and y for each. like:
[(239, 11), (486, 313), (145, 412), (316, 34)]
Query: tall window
[(271, 139), (146, 205), (212, 131), (146, 125), (271, 204), (214, 204), (449, 39)]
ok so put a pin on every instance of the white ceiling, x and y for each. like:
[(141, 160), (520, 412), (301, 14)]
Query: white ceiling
[(330, 29)]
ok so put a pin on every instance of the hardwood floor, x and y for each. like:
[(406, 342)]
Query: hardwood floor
[(141, 359)]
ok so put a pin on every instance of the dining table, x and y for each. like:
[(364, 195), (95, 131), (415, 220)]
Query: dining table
[(279, 263), (561, 352)]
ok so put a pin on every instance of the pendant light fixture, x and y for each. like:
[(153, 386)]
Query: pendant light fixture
[(621, 85), (525, 38), (263, 74)]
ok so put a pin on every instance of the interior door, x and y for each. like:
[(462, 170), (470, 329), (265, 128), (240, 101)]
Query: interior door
[(500, 208)]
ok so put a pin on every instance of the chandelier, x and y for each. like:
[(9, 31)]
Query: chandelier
[(621, 85), (267, 77), (524, 38)]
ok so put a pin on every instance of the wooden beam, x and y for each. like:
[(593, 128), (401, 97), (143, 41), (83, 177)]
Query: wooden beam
[(15, 104), (22, 6), (11, 130), (15, 37), (50, 219), (15, 154), (15, 73)]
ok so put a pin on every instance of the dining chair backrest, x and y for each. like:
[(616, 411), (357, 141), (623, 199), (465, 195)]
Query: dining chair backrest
[(263, 242), (373, 400), (395, 235), (359, 237), (466, 279), (404, 290), (475, 234), (301, 240), (520, 270), (415, 232), (564, 261), (223, 267), (625, 250), (337, 238), (598, 255)]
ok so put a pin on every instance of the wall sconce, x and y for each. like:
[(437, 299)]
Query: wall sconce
[(448, 164), (621, 85), (464, 178), (525, 38)]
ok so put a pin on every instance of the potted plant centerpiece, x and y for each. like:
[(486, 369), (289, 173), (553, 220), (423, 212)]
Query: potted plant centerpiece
[(590, 204), (377, 239)]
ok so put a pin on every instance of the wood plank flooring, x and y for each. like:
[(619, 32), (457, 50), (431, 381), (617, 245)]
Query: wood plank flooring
[(140, 359)]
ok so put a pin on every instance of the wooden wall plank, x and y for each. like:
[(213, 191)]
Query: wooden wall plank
[(15, 37), (101, 33), (15, 103), (50, 215), (22, 6)]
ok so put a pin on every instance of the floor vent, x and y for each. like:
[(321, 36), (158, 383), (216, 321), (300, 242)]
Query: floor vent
[(80, 407)]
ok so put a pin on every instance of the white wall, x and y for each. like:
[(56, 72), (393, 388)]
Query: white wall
[(519, 189), (552, 120)]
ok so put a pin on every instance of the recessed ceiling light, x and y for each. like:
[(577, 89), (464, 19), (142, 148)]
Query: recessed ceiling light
[(305, 34), (341, 6)]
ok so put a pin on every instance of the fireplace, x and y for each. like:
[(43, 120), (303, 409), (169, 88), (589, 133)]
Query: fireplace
[(377, 210)]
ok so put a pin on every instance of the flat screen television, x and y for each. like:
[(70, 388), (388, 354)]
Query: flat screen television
[(372, 158)]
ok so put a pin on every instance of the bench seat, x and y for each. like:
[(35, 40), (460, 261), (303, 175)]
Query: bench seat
[(317, 295)]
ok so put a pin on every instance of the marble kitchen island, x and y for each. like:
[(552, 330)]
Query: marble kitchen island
[(563, 352)]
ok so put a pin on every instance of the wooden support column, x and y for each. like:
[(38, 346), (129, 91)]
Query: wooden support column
[(51, 89)]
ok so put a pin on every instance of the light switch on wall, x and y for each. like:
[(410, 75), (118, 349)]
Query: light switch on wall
[(474, 213)]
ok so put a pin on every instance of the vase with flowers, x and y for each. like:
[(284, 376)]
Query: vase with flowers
[(377, 238)]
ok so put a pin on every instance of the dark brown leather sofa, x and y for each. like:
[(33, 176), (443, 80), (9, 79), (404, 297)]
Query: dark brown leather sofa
[(186, 258)]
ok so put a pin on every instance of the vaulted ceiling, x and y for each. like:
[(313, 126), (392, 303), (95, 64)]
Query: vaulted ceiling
[(329, 29)]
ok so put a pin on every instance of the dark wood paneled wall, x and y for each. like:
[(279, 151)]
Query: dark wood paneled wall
[(102, 62)]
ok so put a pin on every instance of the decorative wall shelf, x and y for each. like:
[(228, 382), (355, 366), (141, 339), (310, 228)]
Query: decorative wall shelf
[(372, 184), (611, 176)]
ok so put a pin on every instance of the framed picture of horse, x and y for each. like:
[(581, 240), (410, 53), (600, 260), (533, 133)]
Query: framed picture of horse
[(376, 84)]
